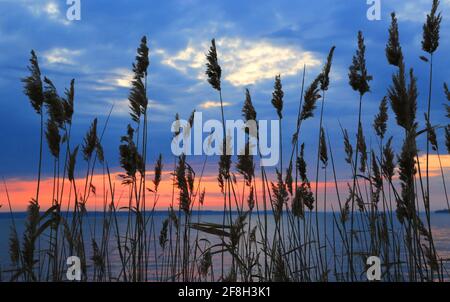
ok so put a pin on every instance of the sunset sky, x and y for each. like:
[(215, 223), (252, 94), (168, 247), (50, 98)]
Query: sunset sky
[(256, 40)]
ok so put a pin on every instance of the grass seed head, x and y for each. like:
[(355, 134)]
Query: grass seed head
[(33, 87), (358, 76), (394, 52), (213, 70), (431, 28)]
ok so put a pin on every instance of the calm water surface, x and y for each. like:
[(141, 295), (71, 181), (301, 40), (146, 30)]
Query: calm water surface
[(440, 226)]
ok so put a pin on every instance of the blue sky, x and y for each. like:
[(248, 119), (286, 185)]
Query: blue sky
[(256, 41)]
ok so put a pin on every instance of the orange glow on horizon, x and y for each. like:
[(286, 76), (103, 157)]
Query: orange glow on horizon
[(22, 191), (434, 166)]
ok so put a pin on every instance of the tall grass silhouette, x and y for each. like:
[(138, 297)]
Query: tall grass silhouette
[(271, 228)]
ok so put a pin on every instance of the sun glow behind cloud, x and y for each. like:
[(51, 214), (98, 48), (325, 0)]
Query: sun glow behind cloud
[(117, 78), (247, 62), (61, 56), (213, 104)]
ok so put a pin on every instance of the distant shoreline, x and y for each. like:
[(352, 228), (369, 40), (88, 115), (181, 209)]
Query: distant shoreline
[(444, 211), (20, 214)]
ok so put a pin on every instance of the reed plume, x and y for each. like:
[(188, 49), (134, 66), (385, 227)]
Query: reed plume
[(14, 247), (33, 87), (376, 174), (190, 124), (251, 199), (407, 172), (54, 104), (138, 93), (301, 163), (304, 195), (377, 183), (277, 97), (248, 110), (224, 169), (280, 196), (362, 148), (68, 102), (431, 28), (277, 103), (29, 239), (138, 99), (130, 159), (393, 50), (380, 122), (71, 164), (142, 60), (325, 75), (358, 76), (190, 177), (53, 137), (99, 151), (403, 98), (213, 70), (298, 205), (388, 163), (158, 171), (345, 209), (289, 180), (245, 165), (163, 234), (310, 99), (348, 147), (90, 141), (182, 184)]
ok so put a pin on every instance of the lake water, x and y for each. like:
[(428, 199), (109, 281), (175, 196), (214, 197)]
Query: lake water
[(93, 229)]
